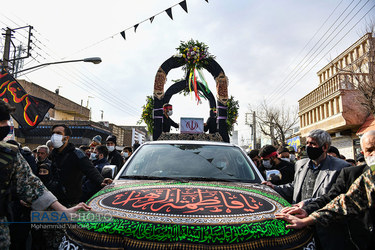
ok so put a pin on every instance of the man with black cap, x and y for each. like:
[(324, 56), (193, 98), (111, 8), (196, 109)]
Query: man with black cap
[(333, 151), (114, 157), (271, 161), (15, 172)]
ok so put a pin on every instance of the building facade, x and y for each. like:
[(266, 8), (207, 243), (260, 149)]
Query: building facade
[(335, 105)]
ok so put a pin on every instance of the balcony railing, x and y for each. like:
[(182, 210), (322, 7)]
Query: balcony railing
[(331, 86)]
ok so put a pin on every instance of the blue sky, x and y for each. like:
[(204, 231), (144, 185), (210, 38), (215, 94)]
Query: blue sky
[(257, 43)]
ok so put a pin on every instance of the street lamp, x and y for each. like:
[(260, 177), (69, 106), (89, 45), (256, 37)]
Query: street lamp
[(94, 60)]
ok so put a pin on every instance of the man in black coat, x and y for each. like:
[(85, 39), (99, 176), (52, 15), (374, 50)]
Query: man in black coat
[(271, 162), (167, 121), (314, 177), (211, 125), (69, 165), (114, 157)]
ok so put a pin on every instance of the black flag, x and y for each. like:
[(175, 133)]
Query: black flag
[(152, 19), (123, 34), (30, 110), (184, 6), (135, 27), (169, 12)]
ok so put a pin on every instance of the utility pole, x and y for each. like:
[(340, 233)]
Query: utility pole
[(8, 39), (272, 134), (253, 128), (254, 131), (7, 47), (101, 114)]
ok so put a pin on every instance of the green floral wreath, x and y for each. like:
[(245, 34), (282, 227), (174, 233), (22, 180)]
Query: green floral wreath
[(232, 113), (195, 54), (147, 114), (148, 109)]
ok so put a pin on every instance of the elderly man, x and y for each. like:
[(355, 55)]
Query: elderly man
[(42, 153), (314, 177), (358, 199)]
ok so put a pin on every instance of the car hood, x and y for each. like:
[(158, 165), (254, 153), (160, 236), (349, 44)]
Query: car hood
[(188, 215)]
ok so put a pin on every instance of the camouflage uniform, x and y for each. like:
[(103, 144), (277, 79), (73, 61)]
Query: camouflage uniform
[(360, 196), (14, 170)]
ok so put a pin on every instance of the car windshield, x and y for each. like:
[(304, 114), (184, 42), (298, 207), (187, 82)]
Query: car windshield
[(190, 162)]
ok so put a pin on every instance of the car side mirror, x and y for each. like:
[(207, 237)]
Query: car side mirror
[(273, 175), (109, 171)]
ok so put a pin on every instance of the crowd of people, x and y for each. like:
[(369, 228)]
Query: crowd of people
[(328, 192), (324, 188), (67, 177)]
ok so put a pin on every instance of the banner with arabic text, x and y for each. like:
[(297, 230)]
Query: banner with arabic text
[(30, 110)]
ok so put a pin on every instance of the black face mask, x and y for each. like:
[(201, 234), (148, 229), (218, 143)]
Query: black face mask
[(45, 178), (4, 131), (314, 153)]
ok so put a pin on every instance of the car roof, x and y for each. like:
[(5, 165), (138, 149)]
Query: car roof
[(211, 143)]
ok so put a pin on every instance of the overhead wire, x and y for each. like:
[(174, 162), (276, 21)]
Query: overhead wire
[(310, 59), (300, 52), (298, 81), (297, 70), (121, 102)]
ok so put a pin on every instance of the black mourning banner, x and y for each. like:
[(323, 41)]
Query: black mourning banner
[(30, 110), (169, 12), (135, 27), (123, 34), (184, 6)]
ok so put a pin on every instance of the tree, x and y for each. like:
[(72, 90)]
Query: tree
[(276, 122), (360, 74)]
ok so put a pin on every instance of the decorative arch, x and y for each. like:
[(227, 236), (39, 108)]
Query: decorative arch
[(161, 97)]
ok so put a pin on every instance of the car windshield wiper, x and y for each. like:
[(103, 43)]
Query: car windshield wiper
[(147, 177), (214, 179)]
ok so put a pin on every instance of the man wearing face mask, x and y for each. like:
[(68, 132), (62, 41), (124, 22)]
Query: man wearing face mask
[(114, 157), (16, 173), (271, 162), (127, 152), (69, 165), (314, 176), (167, 121), (357, 232), (283, 153)]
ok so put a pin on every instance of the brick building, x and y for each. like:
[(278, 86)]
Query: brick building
[(335, 105)]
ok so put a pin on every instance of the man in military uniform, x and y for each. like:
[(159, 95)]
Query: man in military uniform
[(14, 171), (360, 196)]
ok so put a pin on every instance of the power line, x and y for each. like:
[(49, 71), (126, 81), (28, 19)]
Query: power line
[(298, 81), (310, 59), (297, 68), (281, 84), (131, 110)]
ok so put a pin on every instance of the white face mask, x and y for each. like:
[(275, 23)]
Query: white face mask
[(125, 154), (370, 161), (93, 156), (267, 164), (285, 159), (56, 140), (110, 148), (170, 112)]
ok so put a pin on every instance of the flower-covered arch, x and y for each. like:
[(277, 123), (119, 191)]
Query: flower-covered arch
[(193, 57)]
